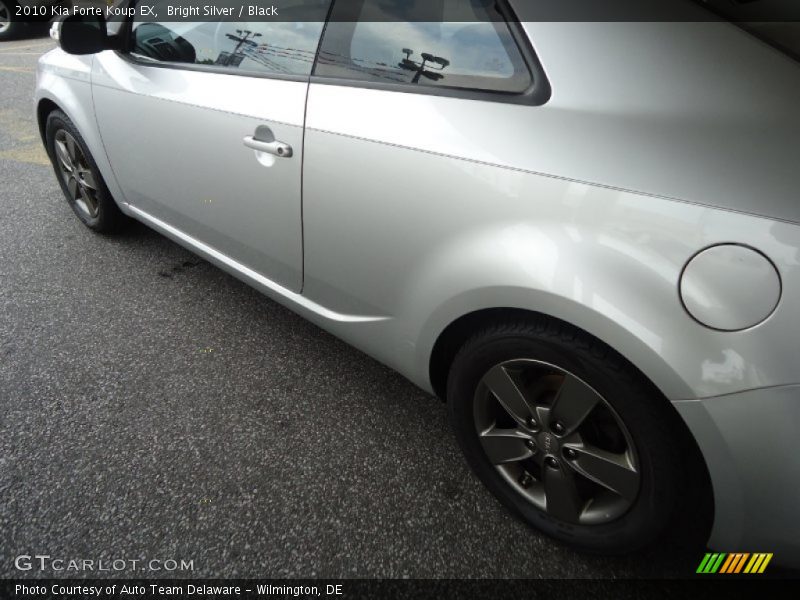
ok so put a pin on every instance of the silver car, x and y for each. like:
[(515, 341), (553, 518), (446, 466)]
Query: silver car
[(584, 236)]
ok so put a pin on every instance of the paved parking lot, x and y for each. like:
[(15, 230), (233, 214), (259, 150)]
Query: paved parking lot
[(151, 406)]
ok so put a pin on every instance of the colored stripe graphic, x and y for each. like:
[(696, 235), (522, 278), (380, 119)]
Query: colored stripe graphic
[(753, 564), (703, 563), (716, 565), (741, 562), (735, 562), (765, 563), (729, 562), (758, 563), (711, 562)]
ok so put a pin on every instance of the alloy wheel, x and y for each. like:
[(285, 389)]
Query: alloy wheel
[(80, 182), (557, 442), (5, 17)]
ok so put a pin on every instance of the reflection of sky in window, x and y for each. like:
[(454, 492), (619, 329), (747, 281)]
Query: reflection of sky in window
[(471, 48), (282, 47), (457, 31)]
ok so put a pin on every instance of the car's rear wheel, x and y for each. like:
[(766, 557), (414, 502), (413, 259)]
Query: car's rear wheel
[(79, 177), (566, 433), (10, 25)]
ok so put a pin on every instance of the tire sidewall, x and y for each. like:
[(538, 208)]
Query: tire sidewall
[(57, 121), (653, 506)]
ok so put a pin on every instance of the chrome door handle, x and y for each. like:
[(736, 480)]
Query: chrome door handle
[(279, 149)]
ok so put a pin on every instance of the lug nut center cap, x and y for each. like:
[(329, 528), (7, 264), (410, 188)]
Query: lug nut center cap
[(548, 442)]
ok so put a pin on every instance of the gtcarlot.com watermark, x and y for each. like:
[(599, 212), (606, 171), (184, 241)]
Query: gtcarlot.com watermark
[(47, 563)]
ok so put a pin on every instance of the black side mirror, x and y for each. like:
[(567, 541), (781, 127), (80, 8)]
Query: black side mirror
[(83, 34)]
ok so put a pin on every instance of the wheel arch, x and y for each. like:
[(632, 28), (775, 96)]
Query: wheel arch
[(460, 329), (700, 502), (455, 320), (55, 94), (44, 107), (457, 333)]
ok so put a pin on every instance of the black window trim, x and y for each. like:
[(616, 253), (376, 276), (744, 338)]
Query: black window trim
[(537, 94), (177, 66)]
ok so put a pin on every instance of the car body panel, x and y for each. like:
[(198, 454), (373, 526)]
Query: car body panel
[(65, 81), (418, 210), (701, 112), (606, 260), (186, 163), (747, 440)]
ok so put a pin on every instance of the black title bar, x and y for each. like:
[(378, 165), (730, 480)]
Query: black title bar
[(752, 11)]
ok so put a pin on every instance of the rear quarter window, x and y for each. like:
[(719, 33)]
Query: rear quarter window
[(401, 47)]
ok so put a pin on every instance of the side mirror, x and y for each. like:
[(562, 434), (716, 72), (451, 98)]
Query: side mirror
[(80, 34)]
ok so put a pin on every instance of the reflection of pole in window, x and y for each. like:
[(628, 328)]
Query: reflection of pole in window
[(419, 68), (234, 59)]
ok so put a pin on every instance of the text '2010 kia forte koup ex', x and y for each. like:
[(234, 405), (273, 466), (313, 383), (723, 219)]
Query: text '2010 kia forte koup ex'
[(585, 236)]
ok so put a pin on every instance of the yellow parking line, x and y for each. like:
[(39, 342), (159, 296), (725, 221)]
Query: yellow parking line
[(31, 153), (16, 69)]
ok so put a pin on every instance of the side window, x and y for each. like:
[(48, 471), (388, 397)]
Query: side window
[(285, 47), (469, 46)]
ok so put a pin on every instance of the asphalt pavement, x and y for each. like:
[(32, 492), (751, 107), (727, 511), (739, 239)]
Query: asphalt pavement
[(153, 407)]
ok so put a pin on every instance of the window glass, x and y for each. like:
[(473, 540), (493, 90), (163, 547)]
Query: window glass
[(285, 47), (390, 43)]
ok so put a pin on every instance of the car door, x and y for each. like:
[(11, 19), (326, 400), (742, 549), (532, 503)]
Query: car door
[(411, 106), (203, 125)]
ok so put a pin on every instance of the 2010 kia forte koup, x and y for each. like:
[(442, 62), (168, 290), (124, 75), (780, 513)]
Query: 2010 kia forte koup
[(585, 236)]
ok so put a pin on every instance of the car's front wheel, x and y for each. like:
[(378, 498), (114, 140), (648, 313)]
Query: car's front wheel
[(566, 433), (80, 179)]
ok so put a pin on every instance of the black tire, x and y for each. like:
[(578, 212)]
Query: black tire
[(108, 217), (14, 27), (644, 412)]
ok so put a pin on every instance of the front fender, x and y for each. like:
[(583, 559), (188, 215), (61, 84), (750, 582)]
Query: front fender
[(65, 80)]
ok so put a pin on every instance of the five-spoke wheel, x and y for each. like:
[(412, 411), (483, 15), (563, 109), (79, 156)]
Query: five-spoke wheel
[(556, 441), (80, 179), (76, 173), (566, 433)]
